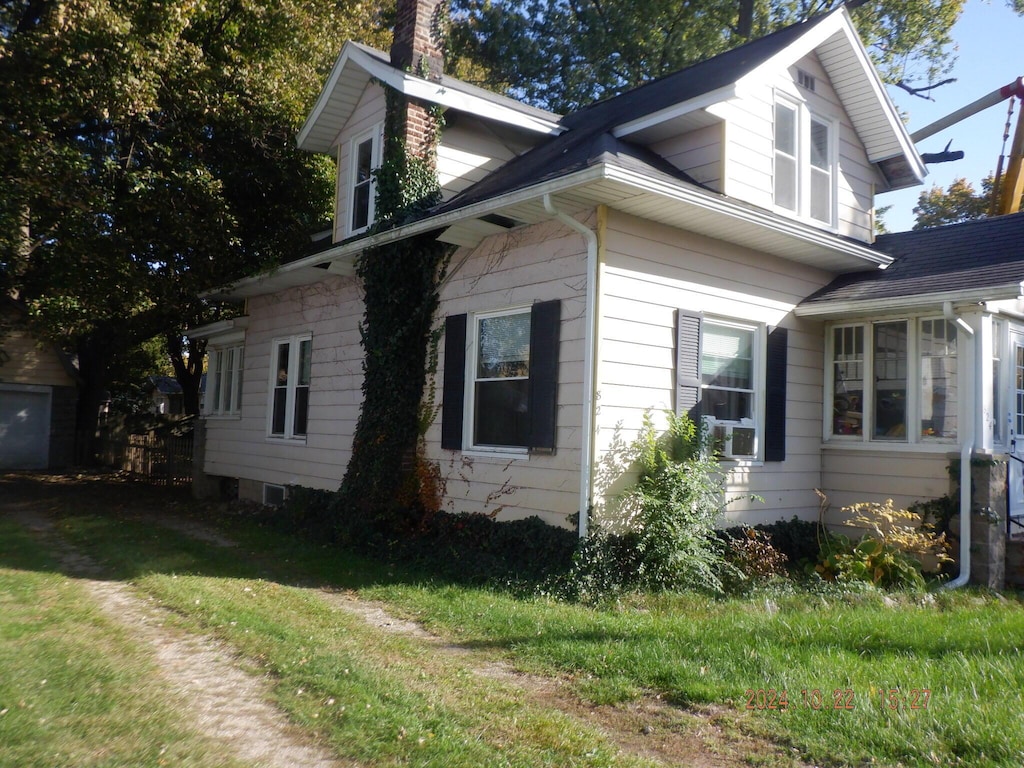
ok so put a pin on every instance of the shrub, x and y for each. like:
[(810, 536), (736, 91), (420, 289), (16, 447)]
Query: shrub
[(889, 553), (795, 538), (754, 555), (673, 507)]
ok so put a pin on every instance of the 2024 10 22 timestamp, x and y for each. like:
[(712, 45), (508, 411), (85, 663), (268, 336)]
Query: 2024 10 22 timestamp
[(835, 698)]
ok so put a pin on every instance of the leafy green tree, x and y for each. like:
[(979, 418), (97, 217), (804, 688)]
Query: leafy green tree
[(148, 154), (564, 54), (957, 203)]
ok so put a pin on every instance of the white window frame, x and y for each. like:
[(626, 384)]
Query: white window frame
[(375, 136), (757, 392), (913, 409), (294, 343), (224, 374), (804, 116), (472, 352), (273, 489)]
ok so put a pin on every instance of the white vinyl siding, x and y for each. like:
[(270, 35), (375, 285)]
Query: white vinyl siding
[(530, 265), (697, 153), (750, 152), (331, 310), (651, 270), (469, 150)]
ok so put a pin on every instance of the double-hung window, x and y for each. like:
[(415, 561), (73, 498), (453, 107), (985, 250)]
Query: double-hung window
[(729, 393), (364, 157), (291, 366), (804, 167), (894, 381), (224, 381), (732, 374), (501, 380)]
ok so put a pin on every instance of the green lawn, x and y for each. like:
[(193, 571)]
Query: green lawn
[(74, 691), (911, 681)]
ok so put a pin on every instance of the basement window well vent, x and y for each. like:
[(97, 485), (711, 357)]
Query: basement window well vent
[(273, 495), (805, 80)]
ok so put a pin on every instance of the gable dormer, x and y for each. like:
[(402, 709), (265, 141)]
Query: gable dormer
[(480, 131), (797, 122)]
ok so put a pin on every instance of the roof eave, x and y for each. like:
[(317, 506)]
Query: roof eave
[(865, 307), (340, 258)]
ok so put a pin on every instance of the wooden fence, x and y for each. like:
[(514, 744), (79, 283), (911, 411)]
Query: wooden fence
[(164, 459)]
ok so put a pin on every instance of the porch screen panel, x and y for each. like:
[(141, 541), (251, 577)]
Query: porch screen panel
[(890, 384), (848, 380), (939, 385)]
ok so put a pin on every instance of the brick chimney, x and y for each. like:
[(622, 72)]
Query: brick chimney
[(417, 46), (418, 39)]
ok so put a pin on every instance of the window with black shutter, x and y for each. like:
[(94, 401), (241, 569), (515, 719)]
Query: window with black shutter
[(725, 369), (501, 380)]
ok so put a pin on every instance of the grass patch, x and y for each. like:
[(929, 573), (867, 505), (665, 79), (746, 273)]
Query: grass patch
[(74, 691), (390, 700)]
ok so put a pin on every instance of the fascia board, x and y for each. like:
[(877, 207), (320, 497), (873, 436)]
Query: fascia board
[(676, 110), (827, 309), (452, 98), (683, 193)]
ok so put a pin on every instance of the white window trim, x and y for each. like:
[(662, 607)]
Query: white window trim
[(469, 414), (376, 136), (293, 378), (756, 421), (215, 357), (804, 114), (269, 488), (913, 439)]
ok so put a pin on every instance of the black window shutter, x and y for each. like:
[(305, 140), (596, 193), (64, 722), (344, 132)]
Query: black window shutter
[(688, 352), (775, 395), (545, 328), (453, 391)]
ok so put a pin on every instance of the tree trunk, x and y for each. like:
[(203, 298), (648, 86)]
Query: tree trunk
[(95, 352), (188, 370)]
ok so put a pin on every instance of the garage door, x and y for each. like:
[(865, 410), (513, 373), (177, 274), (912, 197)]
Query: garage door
[(24, 427)]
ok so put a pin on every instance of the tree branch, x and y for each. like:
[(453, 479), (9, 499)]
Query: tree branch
[(922, 91)]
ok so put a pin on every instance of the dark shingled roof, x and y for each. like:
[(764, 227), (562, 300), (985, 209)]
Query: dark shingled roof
[(589, 140), (975, 254)]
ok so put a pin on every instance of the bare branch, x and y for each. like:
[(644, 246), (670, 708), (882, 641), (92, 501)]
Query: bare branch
[(922, 92)]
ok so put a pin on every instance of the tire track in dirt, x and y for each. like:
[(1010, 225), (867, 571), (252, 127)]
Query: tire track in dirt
[(223, 702), (705, 737)]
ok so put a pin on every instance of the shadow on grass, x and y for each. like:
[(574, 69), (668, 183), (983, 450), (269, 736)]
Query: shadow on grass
[(110, 526)]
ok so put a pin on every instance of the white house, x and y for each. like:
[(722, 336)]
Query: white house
[(695, 244)]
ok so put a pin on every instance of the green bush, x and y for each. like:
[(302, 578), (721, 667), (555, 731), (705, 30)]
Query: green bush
[(673, 543)]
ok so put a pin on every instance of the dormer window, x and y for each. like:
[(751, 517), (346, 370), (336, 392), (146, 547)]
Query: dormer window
[(804, 162), (365, 159)]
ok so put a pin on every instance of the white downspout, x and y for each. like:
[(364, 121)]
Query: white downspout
[(587, 446), (966, 450)]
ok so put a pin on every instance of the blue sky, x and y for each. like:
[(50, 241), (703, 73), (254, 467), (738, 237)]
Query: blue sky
[(990, 53)]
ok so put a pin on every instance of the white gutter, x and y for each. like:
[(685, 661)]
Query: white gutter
[(587, 443), (966, 450)]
